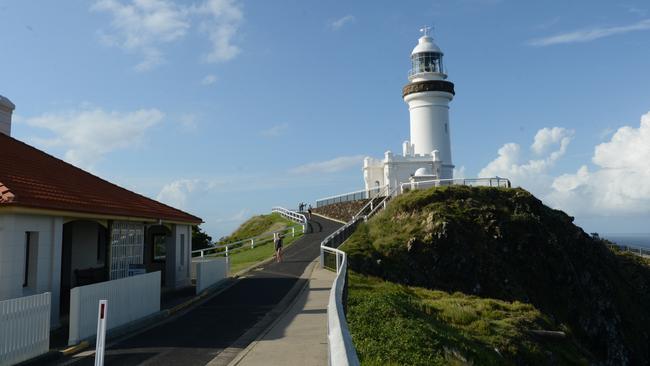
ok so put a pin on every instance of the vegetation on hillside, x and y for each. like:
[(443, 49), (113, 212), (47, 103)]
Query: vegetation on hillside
[(253, 227), (258, 225), (401, 325), (505, 244)]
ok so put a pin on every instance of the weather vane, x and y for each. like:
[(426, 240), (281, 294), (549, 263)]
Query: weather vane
[(426, 30)]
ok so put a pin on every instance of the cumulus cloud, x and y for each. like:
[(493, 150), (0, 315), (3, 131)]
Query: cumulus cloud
[(88, 134), (276, 130), (619, 182), (530, 173), (330, 166), (339, 23), (587, 35), (145, 26)]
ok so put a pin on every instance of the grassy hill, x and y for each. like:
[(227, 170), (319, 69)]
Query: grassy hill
[(505, 247), (256, 226)]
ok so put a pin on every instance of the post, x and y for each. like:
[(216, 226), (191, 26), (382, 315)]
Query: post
[(101, 332), (337, 262), (201, 253), (322, 258), (226, 250), (293, 231), (253, 243)]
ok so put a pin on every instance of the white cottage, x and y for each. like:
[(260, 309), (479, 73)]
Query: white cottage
[(62, 227)]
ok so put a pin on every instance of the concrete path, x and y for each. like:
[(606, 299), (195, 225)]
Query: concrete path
[(299, 336), (216, 330)]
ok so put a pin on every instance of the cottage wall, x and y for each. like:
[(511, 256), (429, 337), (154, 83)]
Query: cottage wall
[(45, 263)]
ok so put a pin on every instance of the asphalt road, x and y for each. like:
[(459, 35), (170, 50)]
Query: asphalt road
[(198, 336)]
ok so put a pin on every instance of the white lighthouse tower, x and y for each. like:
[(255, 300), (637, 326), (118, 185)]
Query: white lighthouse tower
[(427, 156), (428, 95)]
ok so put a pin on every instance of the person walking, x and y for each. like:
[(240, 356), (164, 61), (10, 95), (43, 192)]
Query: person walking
[(277, 241), (309, 211)]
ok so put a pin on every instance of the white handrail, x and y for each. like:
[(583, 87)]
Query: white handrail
[(341, 348), (260, 239), (350, 196), (291, 215), (488, 182)]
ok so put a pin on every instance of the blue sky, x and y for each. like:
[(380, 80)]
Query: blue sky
[(226, 108)]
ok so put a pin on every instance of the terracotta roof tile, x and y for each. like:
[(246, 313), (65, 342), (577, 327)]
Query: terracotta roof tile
[(32, 178)]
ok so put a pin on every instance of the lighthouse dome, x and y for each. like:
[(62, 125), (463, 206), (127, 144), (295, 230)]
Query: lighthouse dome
[(422, 172), (426, 44)]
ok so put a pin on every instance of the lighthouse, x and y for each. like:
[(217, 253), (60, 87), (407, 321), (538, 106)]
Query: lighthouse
[(428, 94), (427, 155)]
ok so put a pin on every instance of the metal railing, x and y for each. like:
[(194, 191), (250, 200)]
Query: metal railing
[(226, 249), (340, 347), (634, 250), (350, 196), (291, 215), (474, 182)]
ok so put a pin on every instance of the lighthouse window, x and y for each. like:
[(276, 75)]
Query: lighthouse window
[(426, 62)]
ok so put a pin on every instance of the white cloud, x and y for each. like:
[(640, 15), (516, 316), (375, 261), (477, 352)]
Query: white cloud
[(88, 134), (209, 79), (225, 17), (330, 166), (180, 192), (531, 173), (588, 35), (618, 184), (339, 23), (144, 26), (276, 130), (547, 137)]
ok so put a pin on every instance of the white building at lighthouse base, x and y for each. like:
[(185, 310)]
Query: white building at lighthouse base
[(393, 170)]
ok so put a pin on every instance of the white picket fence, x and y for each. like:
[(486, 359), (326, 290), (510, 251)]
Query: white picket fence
[(209, 272), (24, 328), (129, 299)]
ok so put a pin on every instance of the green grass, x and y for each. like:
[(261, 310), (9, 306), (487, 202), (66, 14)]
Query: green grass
[(256, 226), (393, 324), (249, 257)]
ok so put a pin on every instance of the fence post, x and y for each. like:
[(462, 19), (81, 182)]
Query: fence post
[(337, 262), (101, 332), (293, 232), (253, 243), (322, 258), (226, 250), (201, 253)]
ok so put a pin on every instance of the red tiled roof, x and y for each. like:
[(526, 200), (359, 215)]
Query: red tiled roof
[(34, 179)]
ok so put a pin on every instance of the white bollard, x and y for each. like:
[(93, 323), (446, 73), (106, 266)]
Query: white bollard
[(293, 232), (252, 243), (101, 332)]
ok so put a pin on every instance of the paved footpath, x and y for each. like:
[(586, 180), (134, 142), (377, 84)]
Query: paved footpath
[(299, 336), (218, 329)]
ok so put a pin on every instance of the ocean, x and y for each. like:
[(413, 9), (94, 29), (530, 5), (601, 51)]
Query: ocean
[(633, 240)]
